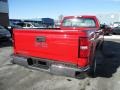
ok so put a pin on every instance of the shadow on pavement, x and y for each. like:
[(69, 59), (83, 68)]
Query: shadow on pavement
[(108, 59), (6, 43)]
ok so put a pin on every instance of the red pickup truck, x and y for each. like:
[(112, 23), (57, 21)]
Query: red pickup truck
[(68, 50)]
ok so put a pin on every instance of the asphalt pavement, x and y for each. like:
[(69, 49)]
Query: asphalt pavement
[(15, 77)]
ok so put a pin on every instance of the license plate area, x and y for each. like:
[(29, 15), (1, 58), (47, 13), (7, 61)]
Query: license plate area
[(38, 63)]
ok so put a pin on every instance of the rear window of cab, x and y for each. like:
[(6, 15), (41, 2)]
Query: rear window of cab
[(79, 22)]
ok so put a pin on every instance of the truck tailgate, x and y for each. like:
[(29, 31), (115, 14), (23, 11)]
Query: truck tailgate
[(60, 45)]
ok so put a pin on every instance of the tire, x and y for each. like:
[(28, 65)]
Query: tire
[(92, 72), (101, 46), (12, 61)]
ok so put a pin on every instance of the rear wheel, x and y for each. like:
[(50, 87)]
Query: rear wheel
[(92, 72), (12, 61), (114, 33), (101, 46)]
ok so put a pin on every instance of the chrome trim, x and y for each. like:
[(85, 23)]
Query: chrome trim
[(54, 68), (19, 60)]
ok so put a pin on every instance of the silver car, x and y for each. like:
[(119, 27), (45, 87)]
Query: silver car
[(4, 33)]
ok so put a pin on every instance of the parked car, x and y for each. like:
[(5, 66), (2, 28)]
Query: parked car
[(116, 30), (4, 33), (116, 24), (29, 25), (11, 26), (107, 29), (69, 50)]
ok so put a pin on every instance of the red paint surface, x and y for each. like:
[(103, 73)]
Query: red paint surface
[(60, 44)]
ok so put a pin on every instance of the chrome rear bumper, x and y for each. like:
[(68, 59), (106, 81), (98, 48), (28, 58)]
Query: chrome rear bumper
[(51, 67)]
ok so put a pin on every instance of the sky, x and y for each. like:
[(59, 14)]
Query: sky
[(25, 9)]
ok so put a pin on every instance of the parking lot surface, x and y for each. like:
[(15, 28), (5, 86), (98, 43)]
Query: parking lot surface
[(15, 77)]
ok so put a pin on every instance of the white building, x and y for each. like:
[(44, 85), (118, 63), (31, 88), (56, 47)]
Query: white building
[(4, 17)]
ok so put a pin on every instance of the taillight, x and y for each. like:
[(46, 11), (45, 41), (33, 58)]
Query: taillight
[(84, 47)]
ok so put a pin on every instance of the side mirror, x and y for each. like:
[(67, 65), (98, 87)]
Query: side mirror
[(102, 26)]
